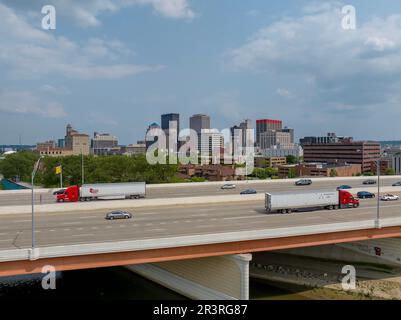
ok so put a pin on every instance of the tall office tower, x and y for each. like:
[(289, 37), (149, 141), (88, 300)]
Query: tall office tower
[(103, 143), (199, 122), (265, 125), (291, 132), (170, 121)]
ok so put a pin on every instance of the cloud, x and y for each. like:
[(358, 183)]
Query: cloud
[(27, 52), (28, 103), (341, 69), (285, 93), (87, 13)]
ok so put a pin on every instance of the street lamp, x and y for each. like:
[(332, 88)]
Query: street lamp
[(35, 169), (378, 165)]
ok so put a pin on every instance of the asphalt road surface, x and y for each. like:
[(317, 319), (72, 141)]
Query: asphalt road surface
[(160, 222), (202, 190)]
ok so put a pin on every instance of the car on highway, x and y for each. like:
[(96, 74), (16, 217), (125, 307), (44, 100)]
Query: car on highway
[(303, 182), (369, 181), (344, 187), (118, 214), (389, 197), (249, 191), (365, 195), (228, 186), (397, 184)]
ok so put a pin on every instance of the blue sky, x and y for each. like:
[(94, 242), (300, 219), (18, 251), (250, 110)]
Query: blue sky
[(116, 65)]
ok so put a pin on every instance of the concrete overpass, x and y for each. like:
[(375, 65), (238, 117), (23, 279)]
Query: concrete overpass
[(162, 241)]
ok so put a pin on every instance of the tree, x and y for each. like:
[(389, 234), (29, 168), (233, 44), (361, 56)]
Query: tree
[(390, 172), (292, 159), (333, 173), (292, 173), (19, 165)]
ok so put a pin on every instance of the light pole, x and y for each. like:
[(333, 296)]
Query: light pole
[(378, 165), (82, 165), (35, 169)]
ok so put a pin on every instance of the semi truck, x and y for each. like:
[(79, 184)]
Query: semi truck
[(102, 191), (288, 202)]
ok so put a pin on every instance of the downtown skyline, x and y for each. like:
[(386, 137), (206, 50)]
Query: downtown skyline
[(257, 61)]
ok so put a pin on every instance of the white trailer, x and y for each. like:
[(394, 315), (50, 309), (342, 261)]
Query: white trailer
[(113, 191), (287, 202)]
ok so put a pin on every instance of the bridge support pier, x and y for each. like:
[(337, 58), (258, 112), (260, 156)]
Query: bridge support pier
[(212, 278)]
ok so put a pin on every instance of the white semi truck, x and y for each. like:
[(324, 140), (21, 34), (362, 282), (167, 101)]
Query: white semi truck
[(288, 202)]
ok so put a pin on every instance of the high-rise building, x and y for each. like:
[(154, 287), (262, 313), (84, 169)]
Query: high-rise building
[(102, 143), (330, 138), (77, 142), (291, 132), (265, 125), (358, 152), (169, 122), (274, 138), (199, 122), (212, 145)]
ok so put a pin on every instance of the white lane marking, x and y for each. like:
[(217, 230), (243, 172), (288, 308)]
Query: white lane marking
[(18, 221), (70, 223), (3, 234), (5, 240), (83, 235), (156, 230), (88, 218)]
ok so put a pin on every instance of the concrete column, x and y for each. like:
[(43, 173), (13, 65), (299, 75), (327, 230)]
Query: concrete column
[(213, 278)]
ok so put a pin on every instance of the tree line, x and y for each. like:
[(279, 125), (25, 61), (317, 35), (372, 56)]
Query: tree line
[(99, 169)]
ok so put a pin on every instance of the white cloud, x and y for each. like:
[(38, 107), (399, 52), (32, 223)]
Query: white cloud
[(357, 68), (87, 13), (28, 103), (285, 93), (27, 52)]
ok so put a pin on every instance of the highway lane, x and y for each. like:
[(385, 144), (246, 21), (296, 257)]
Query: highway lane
[(150, 223), (204, 190)]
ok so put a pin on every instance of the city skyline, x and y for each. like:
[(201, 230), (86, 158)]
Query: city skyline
[(100, 70)]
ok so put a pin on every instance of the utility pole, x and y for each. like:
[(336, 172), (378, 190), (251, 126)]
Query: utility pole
[(82, 166), (378, 165), (35, 169), (61, 176)]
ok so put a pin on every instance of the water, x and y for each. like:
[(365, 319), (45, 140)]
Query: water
[(112, 283)]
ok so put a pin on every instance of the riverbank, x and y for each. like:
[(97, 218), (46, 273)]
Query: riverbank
[(322, 279)]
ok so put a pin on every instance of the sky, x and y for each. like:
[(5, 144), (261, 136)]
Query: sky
[(116, 65)]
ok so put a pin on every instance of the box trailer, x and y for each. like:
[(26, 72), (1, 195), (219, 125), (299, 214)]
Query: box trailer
[(288, 202), (103, 191)]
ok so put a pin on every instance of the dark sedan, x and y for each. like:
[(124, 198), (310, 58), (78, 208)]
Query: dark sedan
[(249, 191), (365, 195), (344, 187), (370, 181)]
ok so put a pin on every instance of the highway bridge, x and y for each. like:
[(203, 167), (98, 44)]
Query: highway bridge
[(200, 246)]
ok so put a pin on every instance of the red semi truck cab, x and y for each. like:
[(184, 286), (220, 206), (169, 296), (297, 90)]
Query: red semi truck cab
[(71, 194), (347, 199)]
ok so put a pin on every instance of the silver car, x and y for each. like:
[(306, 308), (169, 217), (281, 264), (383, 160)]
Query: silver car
[(118, 214), (228, 186)]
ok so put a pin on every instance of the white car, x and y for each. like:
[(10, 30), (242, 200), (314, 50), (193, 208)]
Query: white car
[(228, 186), (390, 197)]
